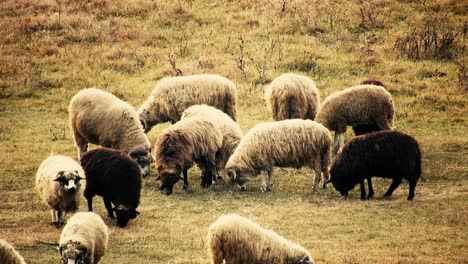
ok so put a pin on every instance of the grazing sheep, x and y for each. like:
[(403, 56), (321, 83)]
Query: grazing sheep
[(173, 95), (9, 255), (58, 184), (363, 107), (84, 239), (99, 117), (292, 96), (116, 177), (386, 154), (373, 82), (180, 145), (288, 143), (231, 130), (238, 240)]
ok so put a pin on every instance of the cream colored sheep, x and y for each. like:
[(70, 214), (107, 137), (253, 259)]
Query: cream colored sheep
[(238, 240), (84, 239), (180, 145), (100, 118), (363, 106), (292, 96), (9, 255), (173, 95), (231, 130), (58, 184), (288, 143)]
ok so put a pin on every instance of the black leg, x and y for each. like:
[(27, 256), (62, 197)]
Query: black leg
[(108, 205), (412, 186), (371, 189), (185, 179), (363, 190), (393, 186), (90, 203)]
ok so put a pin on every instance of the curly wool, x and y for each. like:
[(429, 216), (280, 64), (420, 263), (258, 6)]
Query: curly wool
[(88, 229), (230, 129), (9, 255), (238, 240), (50, 191), (292, 96), (100, 118), (173, 95), (288, 143)]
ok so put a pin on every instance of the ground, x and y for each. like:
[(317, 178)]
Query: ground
[(52, 49)]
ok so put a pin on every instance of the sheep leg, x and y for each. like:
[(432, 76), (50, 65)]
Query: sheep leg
[(317, 174), (59, 218), (371, 190), (90, 202), (270, 179), (185, 179), (363, 190), (393, 186), (54, 216), (412, 186), (338, 142), (108, 205)]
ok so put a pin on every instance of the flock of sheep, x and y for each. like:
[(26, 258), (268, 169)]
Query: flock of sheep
[(204, 131)]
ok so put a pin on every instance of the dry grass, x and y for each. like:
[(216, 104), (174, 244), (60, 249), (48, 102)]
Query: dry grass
[(51, 49)]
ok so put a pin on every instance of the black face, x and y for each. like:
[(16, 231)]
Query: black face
[(341, 183), (168, 182), (145, 164), (124, 215)]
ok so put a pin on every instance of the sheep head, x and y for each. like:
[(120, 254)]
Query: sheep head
[(124, 214), (69, 180), (306, 260), (169, 175), (144, 159), (237, 177), (74, 253)]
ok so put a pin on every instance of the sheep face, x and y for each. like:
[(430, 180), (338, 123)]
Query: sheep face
[(305, 260), (144, 159), (69, 181), (124, 214), (238, 177), (342, 182), (74, 253), (169, 177)]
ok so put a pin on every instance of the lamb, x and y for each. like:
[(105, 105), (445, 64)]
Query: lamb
[(84, 239), (386, 154), (292, 96), (363, 107), (231, 130), (288, 143), (238, 240), (9, 255), (58, 184), (99, 117), (173, 95), (180, 145), (116, 177)]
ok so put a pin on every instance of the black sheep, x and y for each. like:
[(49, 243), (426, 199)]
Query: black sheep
[(386, 154), (116, 177)]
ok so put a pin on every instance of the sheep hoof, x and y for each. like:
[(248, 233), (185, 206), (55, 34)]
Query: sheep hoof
[(185, 188), (263, 188)]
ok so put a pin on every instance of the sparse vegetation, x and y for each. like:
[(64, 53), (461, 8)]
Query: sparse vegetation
[(51, 49)]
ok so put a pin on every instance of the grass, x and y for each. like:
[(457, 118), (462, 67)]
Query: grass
[(52, 49)]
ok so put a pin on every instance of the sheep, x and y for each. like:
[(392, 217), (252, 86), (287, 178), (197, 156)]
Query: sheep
[(292, 96), (180, 145), (231, 130), (386, 154), (9, 255), (363, 107), (99, 117), (116, 177), (173, 95), (288, 143), (238, 240), (58, 184), (83, 239)]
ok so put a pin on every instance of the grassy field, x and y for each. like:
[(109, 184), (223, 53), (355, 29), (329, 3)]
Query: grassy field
[(52, 49)]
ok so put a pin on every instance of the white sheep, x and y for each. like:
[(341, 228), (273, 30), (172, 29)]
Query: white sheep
[(9, 255), (238, 240), (58, 184), (230, 129), (173, 95), (288, 143), (364, 107), (292, 96), (100, 118), (84, 239)]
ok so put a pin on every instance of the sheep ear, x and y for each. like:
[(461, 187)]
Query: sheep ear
[(232, 175), (143, 124), (60, 248)]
